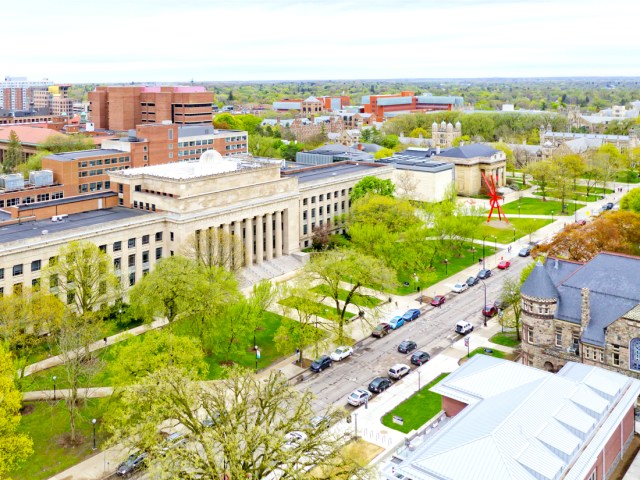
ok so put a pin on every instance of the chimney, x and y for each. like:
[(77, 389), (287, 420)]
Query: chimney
[(585, 310), (360, 147)]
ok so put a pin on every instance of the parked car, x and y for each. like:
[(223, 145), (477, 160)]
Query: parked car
[(407, 346), (396, 322), (381, 330), (463, 327), (411, 314), (133, 463), (321, 363), (420, 358), (484, 274), (525, 252), (582, 222), (459, 287), (471, 281), (358, 397), (341, 353), (293, 440), (489, 311), (500, 304), (174, 440), (438, 300), (607, 206), (504, 264), (399, 370), (320, 422), (379, 384)]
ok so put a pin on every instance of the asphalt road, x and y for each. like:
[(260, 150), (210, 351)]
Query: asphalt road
[(433, 331)]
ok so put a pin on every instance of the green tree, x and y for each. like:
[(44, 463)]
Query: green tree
[(463, 138), (631, 201), (248, 436), (383, 153), (13, 154), (416, 132), (288, 151), (15, 448), (564, 173), (372, 184), (67, 143), (227, 121), (512, 297), (542, 173), (34, 162), (396, 215), (332, 267)]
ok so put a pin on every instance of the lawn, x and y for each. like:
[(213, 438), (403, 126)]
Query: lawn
[(535, 206), (627, 177), (46, 423), (495, 353), (506, 339), (523, 227), (321, 310), (359, 452), (582, 197), (417, 409), (357, 299)]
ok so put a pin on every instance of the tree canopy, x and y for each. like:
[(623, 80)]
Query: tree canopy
[(372, 184)]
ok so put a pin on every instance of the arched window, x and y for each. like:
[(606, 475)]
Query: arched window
[(634, 354)]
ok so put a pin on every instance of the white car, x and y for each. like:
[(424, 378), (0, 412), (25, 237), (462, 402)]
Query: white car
[(358, 397), (294, 440), (341, 353), (459, 287), (399, 370)]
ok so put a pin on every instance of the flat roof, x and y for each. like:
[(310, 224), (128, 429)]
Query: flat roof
[(30, 229), (210, 163), (322, 172), (80, 154), (410, 162), (202, 129)]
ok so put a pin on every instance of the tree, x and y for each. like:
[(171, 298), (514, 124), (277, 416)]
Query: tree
[(28, 320), (564, 172), (512, 297), (407, 184), (15, 448), (631, 201), (332, 267), (395, 214), (542, 173), (372, 184), (383, 153), (67, 143), (145, 354), (320, 236), (215, 248), (84, 276), (608, 160), (418, 131), (462, 138), (250, 419), (13, 154), (289, 151)]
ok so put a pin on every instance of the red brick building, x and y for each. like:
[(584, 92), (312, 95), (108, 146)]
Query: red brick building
[(122, 108), (385, 106)]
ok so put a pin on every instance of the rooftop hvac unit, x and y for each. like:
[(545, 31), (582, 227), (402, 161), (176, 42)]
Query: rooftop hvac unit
[(41, 178), (12, 181)]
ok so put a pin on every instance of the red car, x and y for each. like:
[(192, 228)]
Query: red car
[(489, 311), (503, 265), (438, 300)]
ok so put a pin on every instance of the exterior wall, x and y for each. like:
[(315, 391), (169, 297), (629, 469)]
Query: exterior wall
[(451, 406), (429, 187), (10, 198), (31, 119), (77, 206)]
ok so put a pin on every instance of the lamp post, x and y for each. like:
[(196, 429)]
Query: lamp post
[(54, 388), (484, 317), (483, 238), (495, 243), (415, 280), (473, 254), (446, 267), (257, 357), (551, 216), (355, 421), (514, 234), (575, 212), (94, 433), (519, 211)]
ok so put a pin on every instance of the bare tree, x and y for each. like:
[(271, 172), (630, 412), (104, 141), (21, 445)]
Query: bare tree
[(406, 184), (215, 248)]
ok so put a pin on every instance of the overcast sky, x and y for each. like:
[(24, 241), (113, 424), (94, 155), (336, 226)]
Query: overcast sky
[(180, 40)]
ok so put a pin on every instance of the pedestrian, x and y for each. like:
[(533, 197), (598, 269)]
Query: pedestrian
[(396, 304), (105, 340), (420, 299)]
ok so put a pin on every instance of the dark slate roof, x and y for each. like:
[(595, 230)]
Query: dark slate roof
[(539, 284), (469, 151)]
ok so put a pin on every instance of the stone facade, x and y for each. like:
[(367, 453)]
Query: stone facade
[(552, 143), (444, 134)]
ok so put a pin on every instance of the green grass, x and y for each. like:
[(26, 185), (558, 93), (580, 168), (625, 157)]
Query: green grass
[(357, 299), (496, 353), (320, 309), (582, 197), (506, 339), (46, 424), (417, 409), (535, 206), (505, 235), (627, 177)]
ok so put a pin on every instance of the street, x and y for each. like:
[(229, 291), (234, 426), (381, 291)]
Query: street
[(432, 331)]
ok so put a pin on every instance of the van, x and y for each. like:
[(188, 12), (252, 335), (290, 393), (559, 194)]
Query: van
[(463, 327)]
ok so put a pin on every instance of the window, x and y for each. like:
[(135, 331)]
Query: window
[(558, 337), (120, 188), (304, 215), (592, 476), (171, 236), (35, 284), (145, 256), (145, 239), (329, 196), (575, 341), (170, 132), (132, 279), (305, 201), (313, 213), (117, 246), (634, 354), (158, 253), (530, 334), (615, 355), (1, 273), (103, 248), (131, 243), (320, 210), (17, 270), (313, 199), (158, 236), (17, 289), (35, 266), (132, 260), (321, 198), (117, 264), (304, 230)]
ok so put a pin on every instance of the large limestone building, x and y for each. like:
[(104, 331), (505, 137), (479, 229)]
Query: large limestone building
[(589, 313), (444, 134)]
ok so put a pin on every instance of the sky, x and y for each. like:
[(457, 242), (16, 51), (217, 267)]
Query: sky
[(79, 41)]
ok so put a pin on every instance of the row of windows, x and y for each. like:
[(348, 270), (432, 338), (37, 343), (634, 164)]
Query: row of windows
[(94, 186), (321, 197), (144, 205), (321, 210), (194, 143), (99, 171), (196, 151), (18, 269), (131, 243), (100, 161), (241, 138), (43, 197), (236, 147)]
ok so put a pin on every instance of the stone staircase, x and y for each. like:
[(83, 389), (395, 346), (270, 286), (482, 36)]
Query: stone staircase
[(267, 270)]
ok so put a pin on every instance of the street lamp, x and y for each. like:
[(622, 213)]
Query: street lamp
[(355, 421), (519, 211), (484, 317), (473, 254), (551, 216), (575, 212), (483, 238), (514, 234), (54, 388), (257, 357), (94, 433), (446, 266), (495, 243)]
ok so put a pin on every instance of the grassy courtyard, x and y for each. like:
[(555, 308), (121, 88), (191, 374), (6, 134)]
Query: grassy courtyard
[(417, 409), (523, 227), (357, 299), (319, 309), (505, 339), (535, 206)]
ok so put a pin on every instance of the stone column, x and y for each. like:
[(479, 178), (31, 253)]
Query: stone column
[(238, 260), (259, 239), (226, 248), (278, 252), (248, 242), (269, 235), (285, 233)]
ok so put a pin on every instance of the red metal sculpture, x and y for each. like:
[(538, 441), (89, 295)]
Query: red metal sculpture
[(493, 194)]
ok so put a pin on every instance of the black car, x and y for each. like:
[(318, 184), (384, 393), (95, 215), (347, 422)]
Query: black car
[(379, 384), (134, 462), (484, 274), (607, 206), (321, 363), (407, 346), (525, 252), (471, 281), (420, 358)]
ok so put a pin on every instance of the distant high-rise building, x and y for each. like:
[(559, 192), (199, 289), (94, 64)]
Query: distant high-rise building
[(53, 100), (16, 93), (123, 108)]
